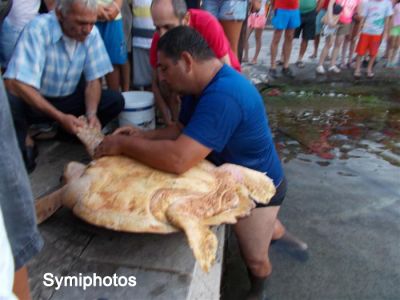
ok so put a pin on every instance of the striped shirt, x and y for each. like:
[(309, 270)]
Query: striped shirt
[(41, 59), (142, 26)]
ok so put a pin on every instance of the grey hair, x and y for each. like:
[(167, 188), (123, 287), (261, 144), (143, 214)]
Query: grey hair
[(179, 6), (65, 5)]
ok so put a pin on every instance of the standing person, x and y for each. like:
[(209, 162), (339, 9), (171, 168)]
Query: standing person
[(375, 21), (344, 28), (231, 14), (21, 12), (63, 59), (350, 40), (143, 30), (225, 124), (255, 22), (329, 29), (126, 12), (110, 26), (394, 40), (168, 14), (286, 19), (321, 9), (308, 16), (16, 203)]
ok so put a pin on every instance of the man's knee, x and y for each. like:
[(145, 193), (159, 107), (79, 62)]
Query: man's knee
[(259, 266)]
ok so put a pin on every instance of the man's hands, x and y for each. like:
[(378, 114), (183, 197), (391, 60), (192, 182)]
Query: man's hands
[(71, 123), (128, 130), (111, 145), (94, 122), (108, 13)]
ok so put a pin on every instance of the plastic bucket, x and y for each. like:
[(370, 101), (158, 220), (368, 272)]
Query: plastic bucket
[(138, 110)]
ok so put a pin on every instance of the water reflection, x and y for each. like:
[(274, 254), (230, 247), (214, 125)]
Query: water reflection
[(335, 133)]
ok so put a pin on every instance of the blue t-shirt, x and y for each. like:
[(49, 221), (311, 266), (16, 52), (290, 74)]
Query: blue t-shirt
[(229, 117)]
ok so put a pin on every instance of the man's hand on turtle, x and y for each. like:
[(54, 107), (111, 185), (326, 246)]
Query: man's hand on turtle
[(109, 146), (94, 122), (71, 123), (128, 130)]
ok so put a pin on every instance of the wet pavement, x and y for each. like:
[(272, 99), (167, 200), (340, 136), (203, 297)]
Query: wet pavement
[(339, 142)]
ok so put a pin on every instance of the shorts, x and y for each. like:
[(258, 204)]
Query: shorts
[(227, 10), (307, 26), (8, 39), (368, 43), (142, 70), (256, 21), (395, 31), (279, 196), (16, 200), (318, 21), (343, 29), (113, 36), (286, 19)]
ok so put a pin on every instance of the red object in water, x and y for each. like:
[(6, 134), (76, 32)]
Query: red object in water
[(274, 93)]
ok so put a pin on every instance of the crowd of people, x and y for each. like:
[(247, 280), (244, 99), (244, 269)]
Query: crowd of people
[(62, 59)]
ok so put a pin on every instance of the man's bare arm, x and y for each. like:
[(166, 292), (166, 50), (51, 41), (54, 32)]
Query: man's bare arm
[(174, 156), (33, 98)]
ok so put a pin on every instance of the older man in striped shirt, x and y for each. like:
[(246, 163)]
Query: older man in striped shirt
[(55, 71)]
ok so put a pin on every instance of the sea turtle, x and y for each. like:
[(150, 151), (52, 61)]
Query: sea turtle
[(123, 194)]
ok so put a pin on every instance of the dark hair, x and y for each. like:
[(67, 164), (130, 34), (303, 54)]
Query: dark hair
[(184, 38), (337, 9), (179, 7)]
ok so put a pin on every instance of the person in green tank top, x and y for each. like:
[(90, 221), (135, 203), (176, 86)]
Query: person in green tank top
[(308, 16)]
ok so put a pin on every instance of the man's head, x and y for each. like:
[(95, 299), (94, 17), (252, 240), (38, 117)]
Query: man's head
[(77, 17), (168, 14), (180, 53)]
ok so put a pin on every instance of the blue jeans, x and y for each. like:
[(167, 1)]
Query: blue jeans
[(16, 200)]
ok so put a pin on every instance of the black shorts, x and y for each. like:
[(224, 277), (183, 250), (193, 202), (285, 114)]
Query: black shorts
[(280, 194), (307, 26)]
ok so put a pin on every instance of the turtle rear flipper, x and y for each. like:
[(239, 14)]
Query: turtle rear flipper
[(47, 205)]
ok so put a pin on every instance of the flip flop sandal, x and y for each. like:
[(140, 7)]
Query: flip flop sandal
[(357, 76), (300, 64), (370, 75)]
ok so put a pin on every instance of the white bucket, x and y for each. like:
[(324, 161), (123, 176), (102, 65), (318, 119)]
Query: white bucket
[(138, 110)]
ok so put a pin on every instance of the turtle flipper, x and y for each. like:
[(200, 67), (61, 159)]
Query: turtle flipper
[(202, 240)]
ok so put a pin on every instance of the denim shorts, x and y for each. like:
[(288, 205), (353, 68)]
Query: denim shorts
[(318, 21), (226, 10), (286, 19), (16, 200), (113, 36), (8, 39)]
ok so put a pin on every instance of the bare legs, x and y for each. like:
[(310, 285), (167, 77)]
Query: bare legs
[(338, 44), (274, 47), (303, 48), (232, 31), (113, 79), (258, 36), (254, 235)]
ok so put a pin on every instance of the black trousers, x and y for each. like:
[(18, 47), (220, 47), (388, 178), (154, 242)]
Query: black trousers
[(111, 104)]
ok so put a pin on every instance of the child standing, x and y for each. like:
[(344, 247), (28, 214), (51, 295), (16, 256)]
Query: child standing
[(394, 41), (255, 22), (375, 15)]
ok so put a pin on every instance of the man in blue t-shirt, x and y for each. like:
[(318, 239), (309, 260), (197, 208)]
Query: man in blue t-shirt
[(225, 121)]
